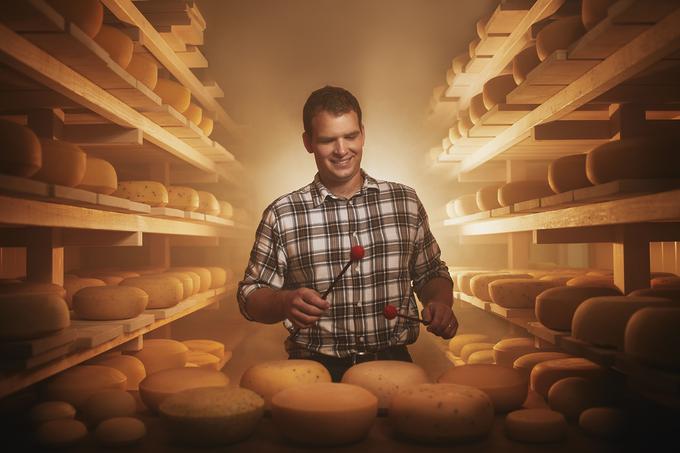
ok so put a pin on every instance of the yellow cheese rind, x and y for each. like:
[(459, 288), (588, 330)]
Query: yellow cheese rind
[(652, 336), (24, 154), (522, 64), (152, 193), (473, 347), (156, 387), (487, 198), (203, 273), (118, 45), (508, 350), (526, 362), (536, 426), (459, 62), (129, 365), (210, 346), (144, 69), (163, 292), (194, 113), (29, 316), (603, 422), (218, 276), (74, 284), (555, 307), (477, 108), (484, 356), (517, 191), (120, 431), (457, 343), (226, 209), (88, 15), (545, 374), (518, 292), (63, 163), (161, 354), (466, 204), (665, 282), (479, 284), (173, 94), (558, 35), (593, 11), (464, 278), (207, 203), (184, 198), (107, 404), (60, 433), (203, 360), (100, 177), (568, 173), (187, 281), (75, 385), (207, 124), (105, 303)]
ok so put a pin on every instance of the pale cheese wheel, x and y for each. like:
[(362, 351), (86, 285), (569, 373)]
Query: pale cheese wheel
[(466, 204), (144, 69), (203, 273), (555, 307), (604, 422), (518, 292), (464, 122), (210, 346), (161, 354), (173, 94), (118, 45), (29, 316), (652, 336), (31, 288), (536, 426), (184, 198), (525, 363), (496, 89), (104, 303), (602, 320), (203, 360), (63, 163), (152, 193), (572, 395), (477, 108), (666, 293), (120, 431), (129, 365), (100, 177), (481, 25), (207, 125), (51, 410), (194, 113), (592, 281), (559, 280), (207, 203), (23, 153), (472, 48), (213, 415), (60, 433), (459, 62), (184, 278), (158, 386), (479, 284), (470, 348), (558, 35), (457, 343), (523, 63), (218, 276), (508, 350), (665, 282), (437, 413), (506, 388), (518, 191), (485, 356), (546, 373), (568, 173), (74, 284), (487, 198), (464, 278), (454, 133), (88, 15), (75, 385), (163, 292), (107, 404), (195, 278), (340, 413), (593, 11), (226, 209), (384, 378)]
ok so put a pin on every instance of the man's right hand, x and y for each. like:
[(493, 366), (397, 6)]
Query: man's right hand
[(303, 307)]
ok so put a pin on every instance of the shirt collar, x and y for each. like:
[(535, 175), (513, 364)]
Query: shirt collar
[(320, 192)]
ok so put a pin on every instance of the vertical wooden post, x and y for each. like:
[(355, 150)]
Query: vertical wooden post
[(668, 258), (631, 258), (518, 249), (45, 256), (656, 256), (46, 123)]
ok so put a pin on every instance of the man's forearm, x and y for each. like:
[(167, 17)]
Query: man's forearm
[(266, 305), (437, 289)]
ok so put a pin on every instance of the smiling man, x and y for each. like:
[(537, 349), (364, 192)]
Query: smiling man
[(304, 240)]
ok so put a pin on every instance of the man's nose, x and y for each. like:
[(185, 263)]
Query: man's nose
[(341, 147)]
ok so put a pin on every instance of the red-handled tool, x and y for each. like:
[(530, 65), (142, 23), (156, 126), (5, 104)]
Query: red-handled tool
[(391, 312)]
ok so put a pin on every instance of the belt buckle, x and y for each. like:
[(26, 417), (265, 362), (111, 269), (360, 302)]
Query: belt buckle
[(357, 355)]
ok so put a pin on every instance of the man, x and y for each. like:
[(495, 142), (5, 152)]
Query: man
[(304, 240)]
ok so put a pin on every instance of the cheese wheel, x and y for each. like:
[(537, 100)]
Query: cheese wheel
[(74, 284), (470, 348), (604, 422), (545, 374), (158, 386), (457, 343), (161, 354), (536, 426), (669, 293), (195, 278), (118, 45), (559, 280), (60, 433), (522, 64), (75, 385), (144, 69), (51, 410), (226, 209), (483, 356), (602, 320), (163, 292), (496, 89), (173, 94), (100, 177), (463, 280), (340, 413), (665, 283), (526, 362), (187, 281), (593, 11), (104, 303), (518, 292), (107, 404), (218, 276), (23, 155), (63, 163), (207, 203), (515, 192), (477, 108), (31, 288), (213, 415), (150, 192), (487, 198), (194, 113), (652, 335), (454, 133), (29, 316), (438, 413), (459, 62), (568, 173), (206, 125), (120, 431), (479, 284), (472, 48), (508, 350), (506, 388), (148, 270), (384, 378), (466, 204), (210, 346), (590, 281), (451, 209), (558, 35), (555, 307), (572, 395), (203, 360), (88, 15), (184, 198), (203, 273), (129, 365), (464, 122)]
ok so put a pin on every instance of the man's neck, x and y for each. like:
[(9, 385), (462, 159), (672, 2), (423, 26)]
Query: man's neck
[(347, 189)]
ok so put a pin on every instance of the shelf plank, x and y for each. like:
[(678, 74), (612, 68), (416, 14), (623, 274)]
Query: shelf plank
[(467, 218), (602, 356), (551, 336), (128, 325), (37, 346)]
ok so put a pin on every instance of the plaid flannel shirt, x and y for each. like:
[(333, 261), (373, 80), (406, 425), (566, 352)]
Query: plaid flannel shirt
[(304, 240)]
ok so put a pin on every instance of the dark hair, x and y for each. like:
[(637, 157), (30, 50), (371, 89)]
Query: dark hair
[(335, 100)]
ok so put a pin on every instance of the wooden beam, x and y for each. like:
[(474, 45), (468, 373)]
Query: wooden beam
[(102, 135), (45, 256), (650, 232), (73, 237), (518, 250)]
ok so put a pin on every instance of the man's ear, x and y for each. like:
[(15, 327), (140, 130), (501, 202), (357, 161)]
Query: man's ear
[(307, 140)]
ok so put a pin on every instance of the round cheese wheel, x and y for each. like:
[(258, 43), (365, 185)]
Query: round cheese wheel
[(213, 415), (536, 426), (572, 395), (185, 279), (457, 343), (451, 209), (184, 198), (206, 125), (120, 431), (158, 386), (459, 62), (144, 69), (194, 113), (465, 204), (470, 348), (74, 284), (24, 154), (203, 273), (454, 133), (464, 278), (60, 433), (162, 354), (104, 303), (450, 75), (652, 336), (75, 385), (472, 48), (88, 15), (118, 45), (438, 413), (218, 276), (207, 203), (518, 292), (150, 192), (487, 198), (226, 209), (31, 288), (496, 89), (100, 177), (555, 307), (670, 293), (51, 410), (340, 413), (522, 64), (173, 94), (477, 108), (464, 122), (483, 356), (526, 362), (568, 173), (29, 316), (130, 366), (604, 422), (508, 350), (163, 292), (558, 35), (545, 374), (107, 404), (203, 360), (479, 284), (593, 11), (515, 192), (591, 281), (210, 346), (559, 280), (665, 282), (63, 163)]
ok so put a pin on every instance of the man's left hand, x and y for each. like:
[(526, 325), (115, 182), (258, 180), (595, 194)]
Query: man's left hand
[(443, 322)]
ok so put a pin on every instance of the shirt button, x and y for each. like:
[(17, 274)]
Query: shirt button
[(360, 339)]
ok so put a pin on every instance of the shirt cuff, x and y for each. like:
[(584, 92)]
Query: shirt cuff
[(243, 292)]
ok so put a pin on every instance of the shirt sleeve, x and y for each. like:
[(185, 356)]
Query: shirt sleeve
[(268, 262)]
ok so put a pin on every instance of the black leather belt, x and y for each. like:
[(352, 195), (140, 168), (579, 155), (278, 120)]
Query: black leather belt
[(397, 352)]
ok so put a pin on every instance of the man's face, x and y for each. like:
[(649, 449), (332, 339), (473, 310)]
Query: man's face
[(337, 144)]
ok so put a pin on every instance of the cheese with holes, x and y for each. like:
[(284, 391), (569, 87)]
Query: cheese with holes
[(604, 422), (602, 320), (465, 204), (555, 307), (459, 62), (496, 89), (437, 413), (568, 173), (118, 45), (508, 350), (210, 346), (384, 378), (203, 360), (60, 433), (120, 431), (487, 198), (107, 404), (479, 284), (226, 209), (161, 354), (187, 281), (203, 273), (74, 284), (23, 153), (545, 374), (88, 15), (457, 343), (593, 11), (163, 292), (339, 413), (212, 416), (471, 348), (536, 426), (522, 64), (144, 69), (464, 122), (207, 124), (29, 316), (194, 113), (129, 365), (76, 384), (51, 410), (173, 94), (518, 292), (483, 356), (572, 395), (477, 108), (184, 198), (218, 276), (526, 362), (518, 191), (558, 35), (158, 386), (652, 336), (63, 163), (105, 303), (152, 193), (207, 203), (100, 177)]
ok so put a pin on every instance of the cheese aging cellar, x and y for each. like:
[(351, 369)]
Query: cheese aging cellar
[(340, 225)]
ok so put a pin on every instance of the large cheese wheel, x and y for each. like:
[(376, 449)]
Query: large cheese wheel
[(536, 426), (74, 284), (437, 413), (187, 281), (210, 346), (203, 273), (508, 350), (479, 284), (477, 108), (206, 125), (464, 122), (667, 293), (506, 388), (51, 410), (463, 280), (558, 35), (158, 386), (203, 360), (604, 422), (487, 198), (483, 356), (144, 69), (522, 64), (173, 94), (517, 191), (340, 413), (496, 89), (665, 282), (518, 292), (568, 173), (644, 158), (593, 11), (207, 203), (602, 320), (104, 303), (572, 395), (31, 288), (88, 15), (525, 363), (545, 374), (218, 276), (63, 163), (152, 193), (212, 415), (591, 281), (555, 307), (184, 198), (163, 292), (100, 176), (107, 404), (466, 204), (459, 62), (118, 45), (60, 433), (457, 343), (652, 336), (226, 209), (384, 378), (162, 354), (129, 365), (470, 348), (75, 385), (194, 113), (22, 155), (120, 431), (28, 316)]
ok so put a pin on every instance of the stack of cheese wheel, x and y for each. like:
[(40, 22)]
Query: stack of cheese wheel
[(536, 426), (477, 108), (152, 193), (194, 113), (88, 15), (118, 45), (592, 281), (206, 125), (29, 316), (202, 359), (568, 173), (218, 276), (572, 395), (212, 415), (457, 343), (558, 35), (545, 374), (173, 94), (73, 284), (75, 385), (593, 11), (459, 62), (555, 307), (100, 177), (163, 291), (144, 69), (518, 191), (472, 48), (203, 273), (51, 410), (207, 203), (63, 163), (106, 303), (463, 280), (508, 350), (522, 64), (184, 198), (107, 404), (339, 413), (162, 354), (525, 363), (496, 89), (26, 156), (158, 386), (129, 365), (437, 413), (464, 122), (194, 276), (226, 209), (518, 292), (120, 432), (651, 336), (466, 204), (208, 346), (477, 352), (479, 284), (487, 198)]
